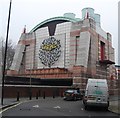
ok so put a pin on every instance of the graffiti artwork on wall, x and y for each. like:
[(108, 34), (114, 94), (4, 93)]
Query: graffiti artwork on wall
[(49, 51)]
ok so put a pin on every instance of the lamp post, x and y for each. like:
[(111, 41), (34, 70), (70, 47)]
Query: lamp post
[(6, 45), (28, 52), (30, 73), (1, 63)]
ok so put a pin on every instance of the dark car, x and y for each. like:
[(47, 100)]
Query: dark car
[(72, 94)]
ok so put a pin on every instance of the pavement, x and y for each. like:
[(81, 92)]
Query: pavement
[(8, 102), (114, 104), (113, 107)]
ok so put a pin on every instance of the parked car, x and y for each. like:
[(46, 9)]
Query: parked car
[(72, 94)]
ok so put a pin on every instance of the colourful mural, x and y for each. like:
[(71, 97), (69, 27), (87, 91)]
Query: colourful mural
[(49, 51)]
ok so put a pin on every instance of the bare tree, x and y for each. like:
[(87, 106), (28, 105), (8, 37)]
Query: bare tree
[(10, 52)]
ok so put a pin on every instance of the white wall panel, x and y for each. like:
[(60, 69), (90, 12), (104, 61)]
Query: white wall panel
[(62, 33), (40, 34), (65, 28), (18, 57), (83, 49)]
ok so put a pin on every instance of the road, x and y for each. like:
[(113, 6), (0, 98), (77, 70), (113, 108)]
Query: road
[(54, 107)]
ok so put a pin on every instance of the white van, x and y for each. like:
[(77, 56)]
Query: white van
[(96, 93)]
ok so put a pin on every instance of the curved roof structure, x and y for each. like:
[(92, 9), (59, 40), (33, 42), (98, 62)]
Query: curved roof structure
[(60, 18)]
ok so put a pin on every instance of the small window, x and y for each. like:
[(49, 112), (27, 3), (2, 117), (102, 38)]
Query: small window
[(102, 50)]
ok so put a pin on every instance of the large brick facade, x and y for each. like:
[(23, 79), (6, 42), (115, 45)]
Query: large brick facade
[(66, 47)]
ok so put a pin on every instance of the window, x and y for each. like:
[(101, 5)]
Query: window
[(102, 50)]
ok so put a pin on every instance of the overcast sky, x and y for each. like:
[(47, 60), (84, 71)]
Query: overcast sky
[(32, 12)]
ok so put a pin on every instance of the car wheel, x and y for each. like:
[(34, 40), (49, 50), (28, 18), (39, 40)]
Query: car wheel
[(108, 103), (86, 107), (75, 98), (80, 98), (106, 108)]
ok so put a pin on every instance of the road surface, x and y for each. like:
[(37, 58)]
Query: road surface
[(54, 107)]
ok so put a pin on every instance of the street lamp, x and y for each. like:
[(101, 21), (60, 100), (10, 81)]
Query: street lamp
[(1, 64), (27, 51), (6, 45)]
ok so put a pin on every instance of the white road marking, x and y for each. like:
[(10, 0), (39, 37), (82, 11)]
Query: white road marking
[(82, 109), (57, 107), (12, 106), (1, 111), (36, 106), (9, 108)]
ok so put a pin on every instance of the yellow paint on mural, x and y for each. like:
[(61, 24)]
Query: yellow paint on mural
[(49, 47)]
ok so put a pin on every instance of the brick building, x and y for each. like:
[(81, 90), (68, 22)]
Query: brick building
[(66, 47)]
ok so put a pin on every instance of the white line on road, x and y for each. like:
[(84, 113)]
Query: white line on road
[(57, 107), (9, 108), (82, 109), (36, 106)]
